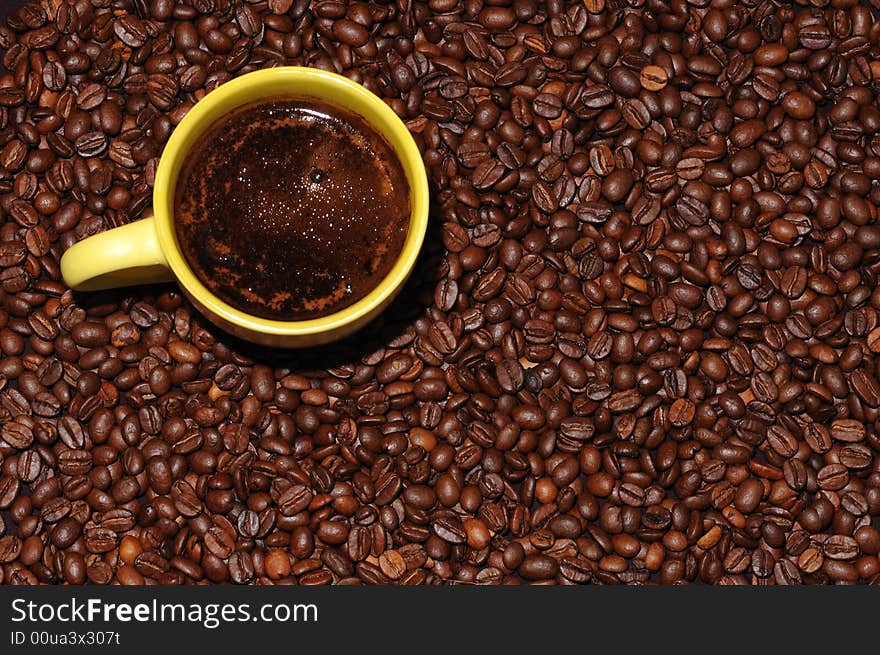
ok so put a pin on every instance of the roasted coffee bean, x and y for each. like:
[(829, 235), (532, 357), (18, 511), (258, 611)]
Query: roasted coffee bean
[(92, 144), (653, 78), (130, 31), (597, 97), (538, 567)]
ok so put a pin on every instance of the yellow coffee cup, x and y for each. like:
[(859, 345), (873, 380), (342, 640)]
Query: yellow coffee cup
[(147, 251)]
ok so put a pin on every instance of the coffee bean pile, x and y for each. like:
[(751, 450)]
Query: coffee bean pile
[(641, 344)]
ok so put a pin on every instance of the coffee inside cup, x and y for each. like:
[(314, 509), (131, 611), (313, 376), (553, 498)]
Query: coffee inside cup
[(291, 208)]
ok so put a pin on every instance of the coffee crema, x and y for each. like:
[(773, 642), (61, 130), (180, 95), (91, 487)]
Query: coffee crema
[(291, 208)]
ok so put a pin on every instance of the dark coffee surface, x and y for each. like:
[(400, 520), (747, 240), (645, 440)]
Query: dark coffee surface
[(291, 208)]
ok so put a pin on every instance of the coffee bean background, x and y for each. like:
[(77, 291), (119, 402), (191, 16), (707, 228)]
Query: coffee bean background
[(641, 344)]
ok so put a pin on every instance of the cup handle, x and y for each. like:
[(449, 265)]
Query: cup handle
[(120, 257)]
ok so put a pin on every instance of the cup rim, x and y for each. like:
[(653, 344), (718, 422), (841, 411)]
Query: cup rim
[(407, 152)]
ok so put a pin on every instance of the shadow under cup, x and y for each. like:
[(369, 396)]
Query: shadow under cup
[(289, 82)]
